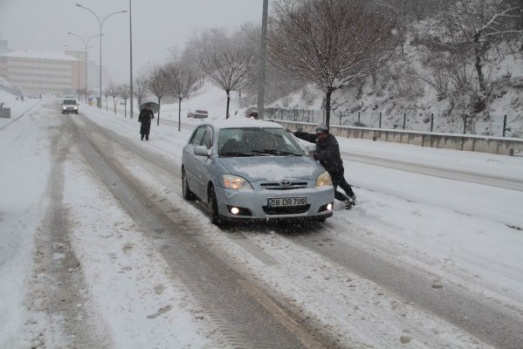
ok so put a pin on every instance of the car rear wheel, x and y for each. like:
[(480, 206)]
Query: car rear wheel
[(187, 193), (216, 219)]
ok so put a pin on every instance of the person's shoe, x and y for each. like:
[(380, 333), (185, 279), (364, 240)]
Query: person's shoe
[(146, 138), (351, 201)]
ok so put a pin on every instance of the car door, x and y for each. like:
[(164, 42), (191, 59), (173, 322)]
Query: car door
[(197, 166), (189, 158)]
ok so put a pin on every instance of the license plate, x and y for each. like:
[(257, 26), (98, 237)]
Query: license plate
[(284, 202)]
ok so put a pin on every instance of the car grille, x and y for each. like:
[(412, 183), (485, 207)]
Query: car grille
[(286, 210), (281, 186)]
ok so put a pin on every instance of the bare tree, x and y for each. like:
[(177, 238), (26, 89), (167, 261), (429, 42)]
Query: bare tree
[(228, 65), (329, 42), (182, 83), (158, 85), (140, 90), (124, 91), (106, 95), (112, 91), (473, 27)]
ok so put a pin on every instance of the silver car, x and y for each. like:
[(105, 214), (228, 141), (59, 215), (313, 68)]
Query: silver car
[(245, 169), (69, 105)]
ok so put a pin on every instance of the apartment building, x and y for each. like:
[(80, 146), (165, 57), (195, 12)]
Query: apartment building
[(36, 72)]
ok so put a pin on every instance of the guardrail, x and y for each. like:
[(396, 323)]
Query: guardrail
[(483, 144)]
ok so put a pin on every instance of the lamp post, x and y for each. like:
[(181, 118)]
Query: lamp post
[(263, 54), (86, 46), (131, 55), (100, 23)]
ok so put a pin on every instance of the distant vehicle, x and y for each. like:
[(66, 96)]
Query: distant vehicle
[(69, 105), (198, 114), (252, 170)]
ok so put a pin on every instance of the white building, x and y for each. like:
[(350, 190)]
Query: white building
[(35, 72)]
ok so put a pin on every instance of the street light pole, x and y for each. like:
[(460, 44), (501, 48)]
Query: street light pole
[(86, 46), (101, 23), (131, 56), (263, 54)]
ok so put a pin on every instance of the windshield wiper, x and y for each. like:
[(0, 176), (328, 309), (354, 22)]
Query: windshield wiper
[(235, 154), (275, 152)]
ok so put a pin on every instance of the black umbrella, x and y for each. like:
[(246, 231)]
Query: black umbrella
[(155, 107)]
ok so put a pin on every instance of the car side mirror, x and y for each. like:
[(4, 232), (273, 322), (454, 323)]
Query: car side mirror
[(310, 148), (201, 150)]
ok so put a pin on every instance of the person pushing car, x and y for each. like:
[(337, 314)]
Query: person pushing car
[(328, 155)]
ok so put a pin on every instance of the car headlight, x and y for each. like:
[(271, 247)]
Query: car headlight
[(324, 179), (235, 182)]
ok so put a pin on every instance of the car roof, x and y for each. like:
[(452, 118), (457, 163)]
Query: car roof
[(241, 123)]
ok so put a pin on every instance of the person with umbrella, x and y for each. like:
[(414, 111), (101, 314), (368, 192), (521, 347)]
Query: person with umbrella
[(145, 117)]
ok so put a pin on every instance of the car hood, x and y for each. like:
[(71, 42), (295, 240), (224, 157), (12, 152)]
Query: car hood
[(273, 168)]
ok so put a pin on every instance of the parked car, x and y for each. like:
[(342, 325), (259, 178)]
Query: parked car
[(198, 114), (69, 105), (244, 169)]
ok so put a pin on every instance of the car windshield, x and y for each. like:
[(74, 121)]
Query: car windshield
[(257, 141), (69, 102)]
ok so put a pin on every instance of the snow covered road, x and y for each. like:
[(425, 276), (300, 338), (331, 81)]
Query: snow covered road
[(421, 262)]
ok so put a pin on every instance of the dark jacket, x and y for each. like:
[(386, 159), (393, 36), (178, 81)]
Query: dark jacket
[(327, 152), (146, 115)]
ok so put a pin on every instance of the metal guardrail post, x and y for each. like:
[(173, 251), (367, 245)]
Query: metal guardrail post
[(505, 128)]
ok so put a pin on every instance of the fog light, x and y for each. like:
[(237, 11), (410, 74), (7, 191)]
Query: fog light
[(326, 208), (238, 211)]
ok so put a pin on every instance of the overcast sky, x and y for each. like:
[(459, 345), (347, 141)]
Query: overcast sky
[(157, 26)]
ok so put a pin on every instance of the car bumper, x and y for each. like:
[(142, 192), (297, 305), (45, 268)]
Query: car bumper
[(253, 205)]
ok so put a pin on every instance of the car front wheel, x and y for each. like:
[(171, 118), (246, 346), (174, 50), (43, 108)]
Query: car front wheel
[(216, 219)]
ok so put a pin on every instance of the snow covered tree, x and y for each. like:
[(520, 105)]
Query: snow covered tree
[(112, 91), (140, 89), (330, 43), (182, 83), (124, 91), (228, 64), (469, 29), (158, 84)]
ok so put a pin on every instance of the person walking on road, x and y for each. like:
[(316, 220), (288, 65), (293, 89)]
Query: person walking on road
[(145, 117), (328, 155)]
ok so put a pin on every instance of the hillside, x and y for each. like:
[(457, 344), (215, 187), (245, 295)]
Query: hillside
[(396, 96)]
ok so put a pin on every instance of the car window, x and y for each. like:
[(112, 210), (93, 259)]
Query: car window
[(207, 138), (199, 135), (69, 102), (257, 141)]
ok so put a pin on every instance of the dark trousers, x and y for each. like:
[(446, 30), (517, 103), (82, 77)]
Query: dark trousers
[(339, 180), (145, 129)]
